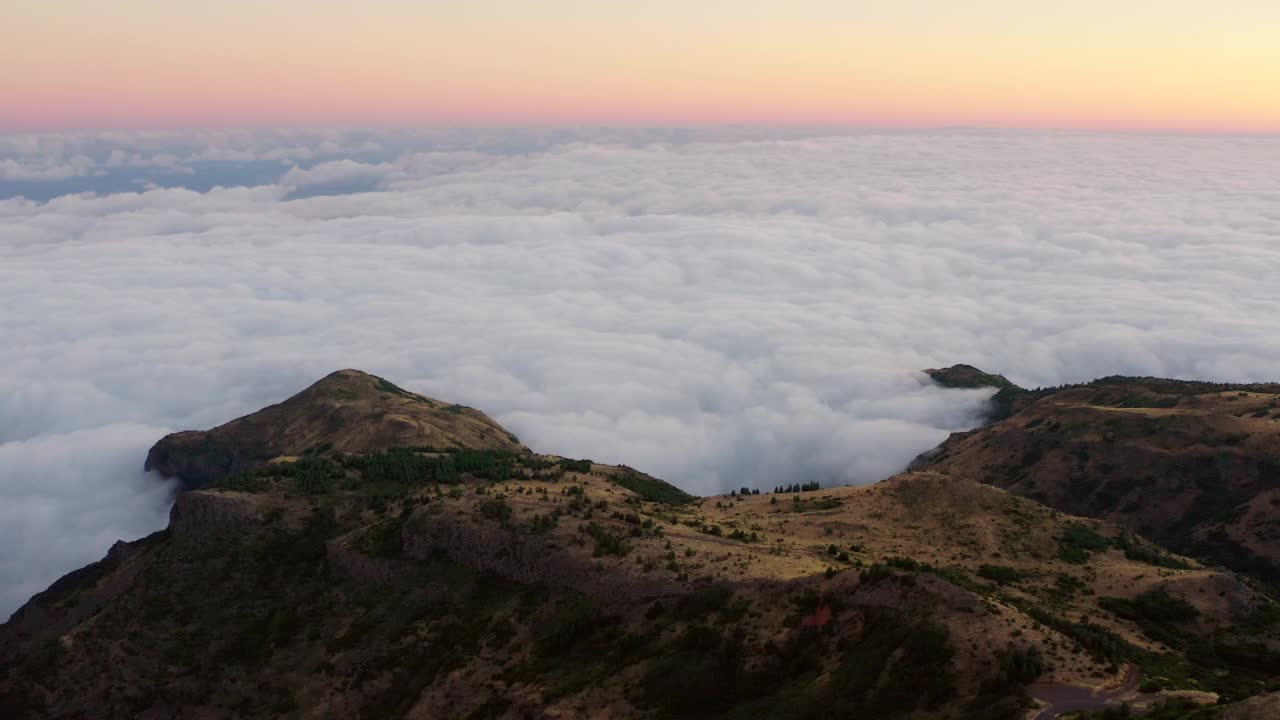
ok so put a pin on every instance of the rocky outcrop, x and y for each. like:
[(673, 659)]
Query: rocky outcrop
[(358, 565), (524, 558), (202, 517), (1262, 707), (199, 458)]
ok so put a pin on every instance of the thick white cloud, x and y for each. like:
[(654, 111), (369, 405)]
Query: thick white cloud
[(336, 177), (66, 497), (720, 308)]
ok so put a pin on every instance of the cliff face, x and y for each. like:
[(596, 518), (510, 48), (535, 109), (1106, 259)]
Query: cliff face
[(202, 517), (348, 411)]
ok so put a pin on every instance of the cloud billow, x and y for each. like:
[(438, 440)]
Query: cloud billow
[(719, 308)]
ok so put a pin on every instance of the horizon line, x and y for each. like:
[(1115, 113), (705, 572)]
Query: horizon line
[(605, 125)]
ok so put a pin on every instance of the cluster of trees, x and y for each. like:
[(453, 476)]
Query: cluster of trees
[(633, 519), (1154, 606), (608, 542), (1078, 542), (578, 466), (799, 487), (408, 466), (1000, 574), (1135, 549), (496, 508), (1018, 666), (650, 489), (540, 523), (312, 475)]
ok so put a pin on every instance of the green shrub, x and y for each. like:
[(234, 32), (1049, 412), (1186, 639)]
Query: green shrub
[(1018, 666), (540, 523), (1135, 549), (1073, 555), (1000, 574), (1154, 606), (496, 508), (1078, 542), (578, 466), (1082, 537), (608, 542)]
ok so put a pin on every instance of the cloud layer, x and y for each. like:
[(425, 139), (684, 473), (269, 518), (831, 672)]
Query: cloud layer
[(720, 308)]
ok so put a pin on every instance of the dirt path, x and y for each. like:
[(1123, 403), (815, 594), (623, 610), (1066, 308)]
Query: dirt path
[(1059, 699)]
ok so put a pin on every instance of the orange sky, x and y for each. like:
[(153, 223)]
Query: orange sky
[(1171, 65)]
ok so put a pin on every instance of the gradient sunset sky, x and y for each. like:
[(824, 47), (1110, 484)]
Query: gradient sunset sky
[(1165, 65)]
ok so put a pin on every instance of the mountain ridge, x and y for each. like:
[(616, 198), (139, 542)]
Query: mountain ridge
[(377, 568), (1194, 465)]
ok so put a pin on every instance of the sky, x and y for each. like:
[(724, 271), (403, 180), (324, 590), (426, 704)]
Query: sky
[(1149, 65), (719, 307)]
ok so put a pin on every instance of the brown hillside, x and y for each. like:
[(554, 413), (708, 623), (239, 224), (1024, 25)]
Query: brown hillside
[(430, 580), (1192, 466)]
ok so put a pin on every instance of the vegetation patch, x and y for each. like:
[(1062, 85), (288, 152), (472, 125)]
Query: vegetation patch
[(577, 466), (1136, 549), (389, 387), (608, 542), (413, 466), (799, 487), (1000, 574), (652, 489), (1079, 542), (1154, 606)]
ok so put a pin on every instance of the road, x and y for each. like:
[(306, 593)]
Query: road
[(1059, 699)]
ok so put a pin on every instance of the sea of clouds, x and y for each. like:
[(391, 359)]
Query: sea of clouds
[(717, 307)]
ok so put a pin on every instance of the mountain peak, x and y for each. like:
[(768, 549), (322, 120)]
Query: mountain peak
[(345, 411), (967, 376)]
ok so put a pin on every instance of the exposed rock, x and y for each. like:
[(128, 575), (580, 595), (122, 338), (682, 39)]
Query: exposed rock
[(524, 558), (1262, 707), (201, 517)]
